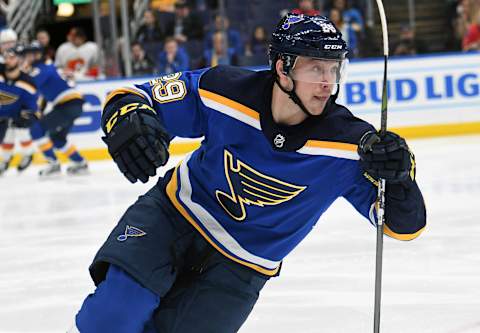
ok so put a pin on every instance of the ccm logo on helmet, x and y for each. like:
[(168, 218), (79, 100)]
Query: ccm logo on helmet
[(333, 47)]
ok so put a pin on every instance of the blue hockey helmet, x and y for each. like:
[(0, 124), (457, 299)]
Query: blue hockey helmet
[(307, 36), (34, 46)]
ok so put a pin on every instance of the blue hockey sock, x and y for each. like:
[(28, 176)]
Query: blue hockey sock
[(46, 147), (72, 153), (120, 304)]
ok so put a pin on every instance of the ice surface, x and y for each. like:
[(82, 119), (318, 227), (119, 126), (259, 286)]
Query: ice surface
[(50, 231)]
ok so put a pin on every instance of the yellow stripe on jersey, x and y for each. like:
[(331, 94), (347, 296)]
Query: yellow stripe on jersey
[(121, 91), (171, 193), (26, 86), (331, 145), (405, 237), (69, 97), (230, 103), (328, 148)]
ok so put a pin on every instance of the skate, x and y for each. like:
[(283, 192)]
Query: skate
[(78, 168), (52, 169), (25, 162), (4, 165)]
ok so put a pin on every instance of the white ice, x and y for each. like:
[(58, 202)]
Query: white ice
[(50, 231)]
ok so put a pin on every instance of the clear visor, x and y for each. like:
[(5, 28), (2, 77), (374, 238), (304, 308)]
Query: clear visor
[(317, 70)]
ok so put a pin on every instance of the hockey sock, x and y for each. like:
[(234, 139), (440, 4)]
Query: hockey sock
[(72, 153), (46, 147), (68, 150), (25, 139), (7, 151)]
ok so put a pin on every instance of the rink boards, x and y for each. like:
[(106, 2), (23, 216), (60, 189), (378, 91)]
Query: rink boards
[(428, 96)]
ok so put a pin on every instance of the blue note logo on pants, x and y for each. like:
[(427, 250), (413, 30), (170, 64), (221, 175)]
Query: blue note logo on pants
[(131, 232)]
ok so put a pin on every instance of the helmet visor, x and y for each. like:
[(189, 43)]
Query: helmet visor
[(318, 70)]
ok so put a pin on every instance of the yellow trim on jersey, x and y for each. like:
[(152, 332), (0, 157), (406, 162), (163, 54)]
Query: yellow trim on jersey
[(171, 193), (121, 91), (26, 86), (331, 145), (405, 237), (69, 97), (230, 103)]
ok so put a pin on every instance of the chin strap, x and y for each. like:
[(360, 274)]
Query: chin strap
[(293, 96)]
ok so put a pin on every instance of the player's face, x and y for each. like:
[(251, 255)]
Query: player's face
[(11, 60), (315, 80), (314, 95)]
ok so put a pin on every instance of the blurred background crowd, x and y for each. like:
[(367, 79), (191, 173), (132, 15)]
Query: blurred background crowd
[(92, 39)]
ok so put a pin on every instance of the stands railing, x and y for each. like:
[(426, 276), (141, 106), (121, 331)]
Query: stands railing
[(21, 16), (139, 8)]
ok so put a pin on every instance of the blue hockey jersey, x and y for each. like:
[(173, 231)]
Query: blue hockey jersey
[(16, 95), (254, 189), (51, 85)]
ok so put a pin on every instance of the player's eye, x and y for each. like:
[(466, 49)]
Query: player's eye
[(318, 69)]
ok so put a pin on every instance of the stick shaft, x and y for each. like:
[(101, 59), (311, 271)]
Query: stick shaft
[(382, 185)]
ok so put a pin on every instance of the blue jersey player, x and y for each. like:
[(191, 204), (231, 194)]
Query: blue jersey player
[(63, 104), (193, 253), (18, 104)]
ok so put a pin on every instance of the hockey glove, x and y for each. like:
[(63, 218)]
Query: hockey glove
[(136, 140), (25, 119), (386, 156)]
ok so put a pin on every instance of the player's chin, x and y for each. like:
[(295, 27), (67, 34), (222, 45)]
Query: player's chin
[(317, 106)]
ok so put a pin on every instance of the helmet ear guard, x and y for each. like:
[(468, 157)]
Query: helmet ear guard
[(288, 61)]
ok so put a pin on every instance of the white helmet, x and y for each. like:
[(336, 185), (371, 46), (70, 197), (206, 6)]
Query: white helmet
[(8, 35)]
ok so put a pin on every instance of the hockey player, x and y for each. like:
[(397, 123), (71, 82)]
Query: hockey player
[(18, 104), (8, 40), (193, 253), (64, 105)]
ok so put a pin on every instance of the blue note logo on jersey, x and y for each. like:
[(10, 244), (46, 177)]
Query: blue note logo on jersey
[(247, 186), (131, 232)]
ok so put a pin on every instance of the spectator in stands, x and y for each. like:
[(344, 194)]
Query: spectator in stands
[(186, 25), (234, 38), (353, 18), (173, 58), (141, 62), (408, 44), (219, 54), (344, 27), (350, 15), (460, 20), (78, 58), (150, 31), (258, 44), (306, 7), (471, 40), (43, 38)]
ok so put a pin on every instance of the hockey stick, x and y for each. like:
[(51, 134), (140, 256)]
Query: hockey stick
[(381, 184)]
